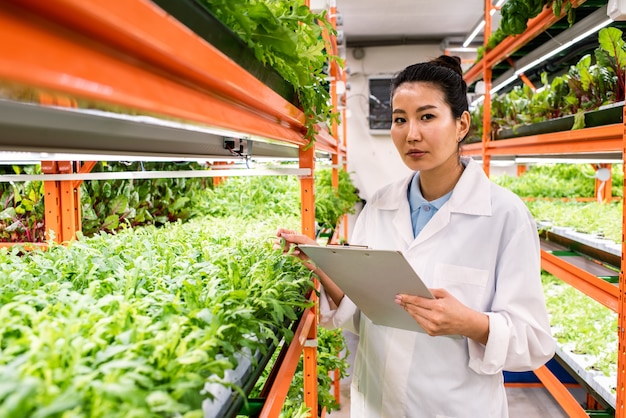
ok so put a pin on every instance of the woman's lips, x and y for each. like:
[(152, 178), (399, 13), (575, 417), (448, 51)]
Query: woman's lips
[(415, 153)]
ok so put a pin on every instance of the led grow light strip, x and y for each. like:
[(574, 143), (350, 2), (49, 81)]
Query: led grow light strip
[(470, 38), (121, 175), (564, 46), (551, 54), (481, 24)]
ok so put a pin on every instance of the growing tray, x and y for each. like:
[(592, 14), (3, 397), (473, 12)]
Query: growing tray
[(197, 17), (608, 115), (229, 403)]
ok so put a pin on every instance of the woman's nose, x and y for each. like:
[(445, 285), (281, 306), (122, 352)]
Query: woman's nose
[(413, 134)]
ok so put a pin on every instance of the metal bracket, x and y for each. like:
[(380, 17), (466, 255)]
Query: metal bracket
[(311, 342), (238, 146)]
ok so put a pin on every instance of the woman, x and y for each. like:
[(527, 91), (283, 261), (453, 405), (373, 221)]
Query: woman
[(472, 242)]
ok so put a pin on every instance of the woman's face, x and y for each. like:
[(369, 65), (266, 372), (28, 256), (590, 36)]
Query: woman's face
[(423, 129)]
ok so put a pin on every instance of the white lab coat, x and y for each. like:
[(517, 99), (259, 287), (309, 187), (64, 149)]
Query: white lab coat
[(483, 247)]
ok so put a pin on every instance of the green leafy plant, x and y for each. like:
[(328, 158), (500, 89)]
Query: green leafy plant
[(331, 203), (109, 205), (256, 195), (586, 86), (516, 14), (287, 36), (591, 85), (106, 205), (251, 196), (22, 208), (612, 55), (581, 325), (553, 180), (603, 220), (135, 324), (551, 191)]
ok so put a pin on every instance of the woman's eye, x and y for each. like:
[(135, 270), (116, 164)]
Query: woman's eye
[(399, 120), (427, 116)]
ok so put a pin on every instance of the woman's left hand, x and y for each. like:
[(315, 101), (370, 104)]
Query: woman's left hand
[(446, 315)]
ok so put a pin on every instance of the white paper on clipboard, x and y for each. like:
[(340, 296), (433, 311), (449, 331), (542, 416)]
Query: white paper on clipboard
[(372, 279)]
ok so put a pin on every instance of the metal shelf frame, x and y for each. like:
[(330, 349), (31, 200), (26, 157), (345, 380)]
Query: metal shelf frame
[(131, 54), (134, 55), (30, 127), (600, 141)]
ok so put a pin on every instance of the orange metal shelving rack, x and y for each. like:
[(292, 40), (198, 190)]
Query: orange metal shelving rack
[(610, 138), (132, 54)]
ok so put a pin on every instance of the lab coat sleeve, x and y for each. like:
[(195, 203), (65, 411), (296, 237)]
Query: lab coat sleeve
[(345, 316), (519, 328)]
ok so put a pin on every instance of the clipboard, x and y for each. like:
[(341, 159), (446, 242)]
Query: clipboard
[(372, 279)]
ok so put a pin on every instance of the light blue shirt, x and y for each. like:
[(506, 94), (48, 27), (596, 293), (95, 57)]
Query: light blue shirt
[(422, 210)]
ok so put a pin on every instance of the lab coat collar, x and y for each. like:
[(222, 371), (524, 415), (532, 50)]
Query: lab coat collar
[(471, 195)]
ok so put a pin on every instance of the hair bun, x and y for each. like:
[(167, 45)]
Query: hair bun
[(451, 62)]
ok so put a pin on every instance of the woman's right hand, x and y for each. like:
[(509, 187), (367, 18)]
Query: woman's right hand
[(287, 240)]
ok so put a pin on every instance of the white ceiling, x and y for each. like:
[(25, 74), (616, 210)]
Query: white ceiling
[(385, 22)]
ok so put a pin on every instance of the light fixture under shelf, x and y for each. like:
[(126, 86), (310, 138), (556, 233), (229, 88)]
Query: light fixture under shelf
[(481, 24), (54, 132), (564, 40)]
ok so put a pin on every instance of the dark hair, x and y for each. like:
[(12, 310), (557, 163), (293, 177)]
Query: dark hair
[(445, 73)]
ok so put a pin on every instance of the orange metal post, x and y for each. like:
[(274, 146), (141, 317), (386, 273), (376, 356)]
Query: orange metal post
[(521, 169), (62, 202), (307, 160), (310, 369), (307, 192), (593, 404), (334, 76), (336, 385), (65, 218), (344, 123), (70, 204), (335, 176), (487, 102), (621, 318), (52, 202)]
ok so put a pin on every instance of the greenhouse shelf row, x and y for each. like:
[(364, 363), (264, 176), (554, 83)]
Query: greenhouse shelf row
[(593, 143), (180, 95)]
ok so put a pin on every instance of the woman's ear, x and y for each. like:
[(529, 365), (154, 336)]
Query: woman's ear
[(463, 124)]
